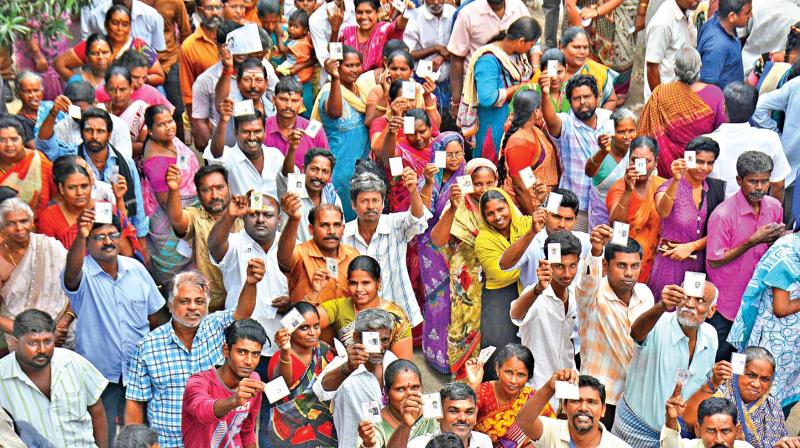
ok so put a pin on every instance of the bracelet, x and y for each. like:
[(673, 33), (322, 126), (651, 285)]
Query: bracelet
[(230, 72), (668, 196), (70, 313), (284, 362), (430, 107), (711, 387)]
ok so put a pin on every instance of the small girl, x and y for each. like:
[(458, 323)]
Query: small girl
[(558, 96), (299, 52)]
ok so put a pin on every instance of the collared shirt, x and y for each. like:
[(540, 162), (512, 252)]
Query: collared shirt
[(721, 54), (62, 418), (242, 248), (388, 245), (436, 32), (274, 138), (306, 204), (576, 144), (162, 364), (667, 32), (555, 434), (306, 259), (204, 90), (146, 23), (476, 440), (175, 16), (651, 377), (736, 138), (767, 29), (320, 29), (137, 217), (200, 224), (605, 327), (529, 261), (67, 137), (242, 174), (672, 439), (477, 24), (732, 223), (113, 311), (786, 99), (198, 53)]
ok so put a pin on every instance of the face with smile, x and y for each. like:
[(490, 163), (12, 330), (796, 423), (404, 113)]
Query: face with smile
[(30, 93), (498, 214), (253, 83), (350, 68), (460, 416), (363, 288), (318, 174), (103, 243), (189, 306), (705, 164), (454, 156), (404, 384), (366, 16), (693, 311), (250, 137), (12, 148)]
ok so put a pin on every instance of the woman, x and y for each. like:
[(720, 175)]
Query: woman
[(502, 224), (118, 30), (495, 72), (574, 44), (525, 145), (414, 149), (401, 379), (500, 401), (401, 68), (631, 200), (433, 270), (341, 110), (25, 170), (98, 59), (684, 204), (301, 419), (163, 153), (609, 26), (681, 110), (558, 97), (608, 164), (769, 316), (363, 284), (455, 235), (369, 36), (119, 85), (759, 415)]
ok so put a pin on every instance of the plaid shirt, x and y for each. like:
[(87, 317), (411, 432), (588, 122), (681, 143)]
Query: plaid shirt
[(604, 325), (161, 366)]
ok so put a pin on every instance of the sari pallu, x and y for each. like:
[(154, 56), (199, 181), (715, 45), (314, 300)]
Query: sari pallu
[(31, 177), (499, 421), (598, 212), (762, 420)]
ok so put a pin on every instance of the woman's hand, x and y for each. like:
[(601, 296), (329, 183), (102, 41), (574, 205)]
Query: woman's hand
[(631, 177), (722, 371), (283, 339), (604, 141), (455, 196), (395, 124), (332, 68), (428, 86), (399, 106), (679, 252), (474, 370), (366, 431), (589, 12), (678, 168), (429, 172)]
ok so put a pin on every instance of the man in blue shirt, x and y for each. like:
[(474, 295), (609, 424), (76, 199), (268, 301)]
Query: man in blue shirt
[(718, 45), (117, 301)]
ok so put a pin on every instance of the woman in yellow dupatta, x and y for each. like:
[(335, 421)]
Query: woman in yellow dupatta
[(574, 44), (502, 224)]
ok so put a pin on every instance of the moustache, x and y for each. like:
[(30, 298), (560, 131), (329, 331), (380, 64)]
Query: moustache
[(332, 238), (108, 246), (756, 195)]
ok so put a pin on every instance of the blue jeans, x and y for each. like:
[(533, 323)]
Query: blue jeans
[(266, 408), (113, 398)]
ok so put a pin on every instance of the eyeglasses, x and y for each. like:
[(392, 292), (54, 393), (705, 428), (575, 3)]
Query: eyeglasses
[(454, 155), (102, 237)]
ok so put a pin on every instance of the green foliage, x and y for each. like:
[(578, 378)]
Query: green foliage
[(18, 18)]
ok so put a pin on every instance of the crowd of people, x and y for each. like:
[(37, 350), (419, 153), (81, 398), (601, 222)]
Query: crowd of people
[(240, 223)]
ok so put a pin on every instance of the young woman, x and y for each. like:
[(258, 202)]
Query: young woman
[(369, 36), (98, 59), (574, 44)]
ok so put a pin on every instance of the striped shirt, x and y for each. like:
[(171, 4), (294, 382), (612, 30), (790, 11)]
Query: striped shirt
[(161, 366), (604, 325), (75, 384), (388, 245)]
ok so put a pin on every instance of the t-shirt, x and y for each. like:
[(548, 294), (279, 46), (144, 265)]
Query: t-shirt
[(199, 425), (342, 315)]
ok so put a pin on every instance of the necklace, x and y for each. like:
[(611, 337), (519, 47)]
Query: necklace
[(391, 414), (10, 256)]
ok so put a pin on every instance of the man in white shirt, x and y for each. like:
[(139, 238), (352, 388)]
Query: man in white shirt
[(737, 136), (768, 29), (716, 424), (146, 22), (427, 34), (341, 12), (667, 32)]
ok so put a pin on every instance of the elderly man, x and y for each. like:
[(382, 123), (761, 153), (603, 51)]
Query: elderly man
[(188, 344), (136, 436), (31, 93)]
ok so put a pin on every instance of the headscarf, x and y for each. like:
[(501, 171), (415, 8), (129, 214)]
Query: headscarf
[(467, 221), (440, 144)]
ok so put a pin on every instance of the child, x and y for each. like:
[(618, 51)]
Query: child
[(269, 14), (299, 52)]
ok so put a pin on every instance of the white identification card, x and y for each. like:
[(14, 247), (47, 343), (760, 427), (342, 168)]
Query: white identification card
[(276, 389), (620, 235), (371, 411), (682, 376), (336, 51), (396, 166), (409, 125), (440, 159), (486, 353), (424, 68), (409, 90), (552, 68), (554, 253), (244, 40), (691, 159), (694, 283), (567, 391), (641, 166), (184, 248), (245, 107), (313, 128), (399, 5), (738, 360), (553, 202), (332, 265), (256, 201), (296, 183), (465, 184), (292, 320), (102, 212), (74, 111), (432, 406), (114, 174), (371, 341), (528, 178), (183, 162)]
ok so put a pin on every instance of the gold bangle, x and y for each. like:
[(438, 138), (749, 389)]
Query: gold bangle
[(70, 313), (430, 107), (668, 196), (619, 204), (284, 362)]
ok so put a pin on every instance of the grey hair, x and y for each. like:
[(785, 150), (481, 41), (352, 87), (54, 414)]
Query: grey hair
[(754, 352), (623, 113), (366, 182), (750, 162), (687, 65), (27, 74), (135, 436), (192, 278), (373, 320), (14, 205)]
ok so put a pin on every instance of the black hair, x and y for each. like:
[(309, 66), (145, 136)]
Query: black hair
[(395, 368), (553, 54), (514, 350), (32, 321), (266, 40), (645, 141), (740, 101), (793, 40), (347, 49), (704, 144), (396, 88), (11, 121), (568, 199), (267, 7), (79, 91), (455, 391), (633, 247), (114, 222), (490, 195), (94, 38), (151, 112), (7, 192), (135, 436), (312, 153), (207, 170), (731, 6), (569, 34), (248, 329), (445, 440), (367, 264), (115, 9), (419, 114), (405, 55), (65, 166), (301, 17), (570, 244), (303, 307), (96, 112), (374, 3), (313, 214), (248, 64), (118, 70), (133, 59), (391, 46), (525, 103), (288, 84), (525, 28), (716, 405), (257, 115), (581, 80), (224, 28), (594, 383)]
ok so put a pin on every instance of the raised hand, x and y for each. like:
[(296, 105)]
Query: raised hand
[(255, 271), (722, 371), (411, 408), (678, 168), (675, 407), (332, 68), (173, 177), (474, 369), (430, 172), (672, 296), (292, 206), (247, 389), (410, 179), (544, 275), (366, 431), (455, 196), (120, 187), (539, 219), (599, 237), (283, 339), (356, 356), (237, 207), (225, 109), (320, 279), (85, 222)]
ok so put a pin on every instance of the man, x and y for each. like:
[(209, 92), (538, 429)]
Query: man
[(716, 423), (678, 344), (251, 83), (546, 312), (460, 415), (279, 128), (187, 344), (250, 163), (583, 426), (575, 134), (386, 237), (767, 31), (525, 253), (552, 13), (56, 139), (117, 301), (234, 11), (54, 389), (476, 24), (668, 31), (211, 413), (136, 436), (733, 248), (31, 279), (607, 306), (737, 136), (719, 46), (318, 189), (199, 51), (355, 379), (146, 23), (194, 223), (321, 24), (31, 93)]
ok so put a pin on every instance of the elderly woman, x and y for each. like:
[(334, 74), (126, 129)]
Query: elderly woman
[(681, 110), (760, 414)]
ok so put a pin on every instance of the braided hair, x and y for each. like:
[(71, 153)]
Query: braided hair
[(524, 104)]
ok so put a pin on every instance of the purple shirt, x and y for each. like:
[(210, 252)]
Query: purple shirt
[(274, 138), (731, 224)]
